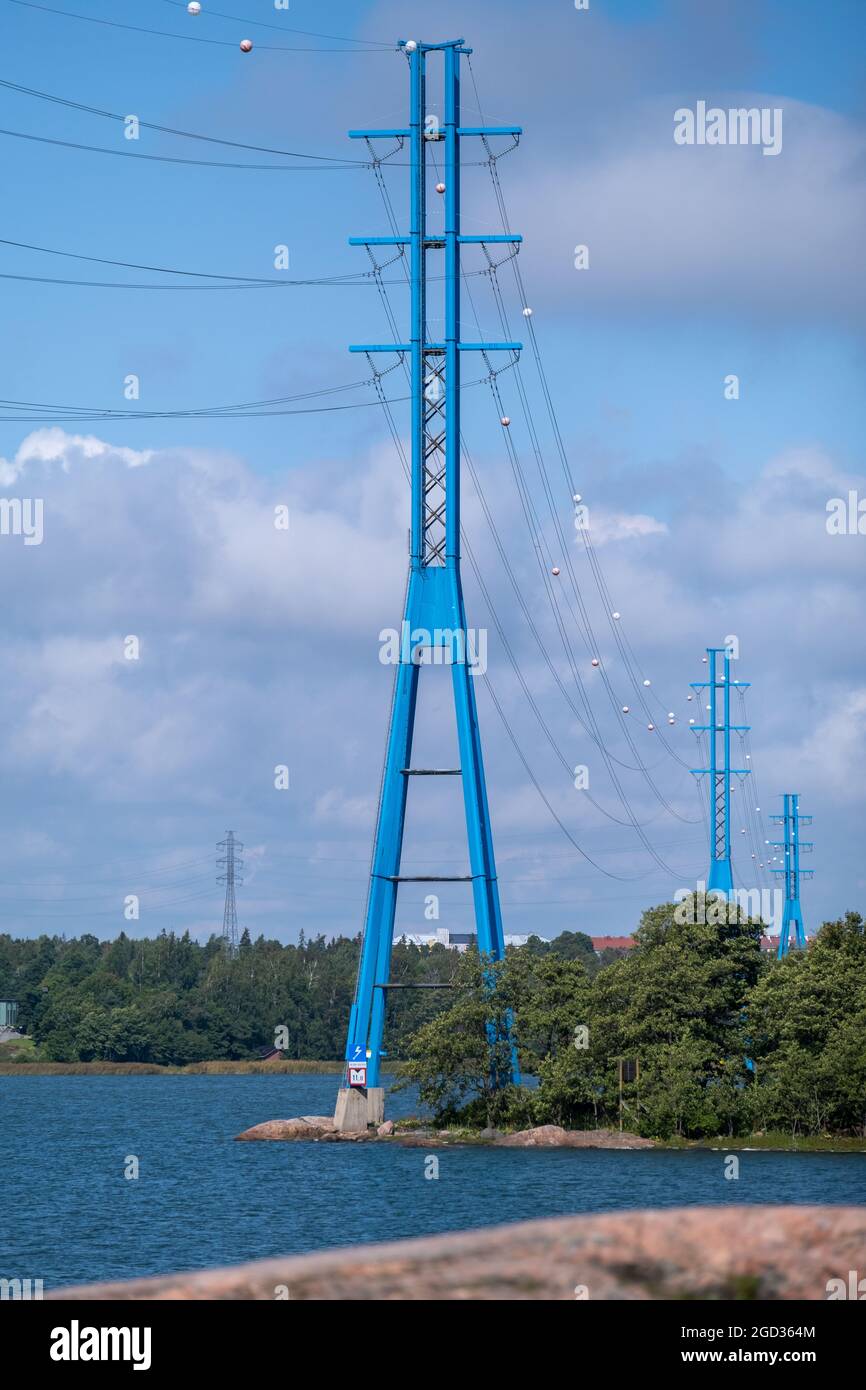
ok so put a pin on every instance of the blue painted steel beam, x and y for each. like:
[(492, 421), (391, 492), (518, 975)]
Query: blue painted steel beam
[(491, 238), (437, 347), (490, 130), (434, 597), (792, 917), (379, 134), (720, 878)]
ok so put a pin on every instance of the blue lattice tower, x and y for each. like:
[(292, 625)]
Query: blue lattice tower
[(792, 873), (720, 772), (434, 598)]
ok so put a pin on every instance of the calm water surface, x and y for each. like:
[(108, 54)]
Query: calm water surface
[(68, 1215)]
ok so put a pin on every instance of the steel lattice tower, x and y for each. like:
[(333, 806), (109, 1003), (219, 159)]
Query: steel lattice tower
[(793, 847), (721, 878), (434, 597), (232, 862)]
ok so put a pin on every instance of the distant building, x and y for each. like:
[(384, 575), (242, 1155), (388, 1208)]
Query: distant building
[(8, 1013), (452, 940), (612, 943)]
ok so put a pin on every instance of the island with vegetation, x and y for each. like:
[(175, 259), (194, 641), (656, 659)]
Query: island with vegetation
[(727, 1040)]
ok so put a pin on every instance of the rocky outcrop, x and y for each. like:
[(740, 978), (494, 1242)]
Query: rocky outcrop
[(303, 1127), (747, 1252), (322, 1127), (552, 1136)]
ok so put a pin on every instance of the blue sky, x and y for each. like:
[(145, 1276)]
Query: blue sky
[(259, 649)]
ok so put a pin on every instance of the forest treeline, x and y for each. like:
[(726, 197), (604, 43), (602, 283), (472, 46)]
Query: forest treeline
[(728, 1039), (710, 1034)]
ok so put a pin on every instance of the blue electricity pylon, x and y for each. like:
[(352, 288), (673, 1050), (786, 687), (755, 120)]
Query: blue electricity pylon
[(721, 878), (792, 873), (434, 605)]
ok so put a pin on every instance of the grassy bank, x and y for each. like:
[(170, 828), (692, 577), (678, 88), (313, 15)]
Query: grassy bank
[(790, 1143), (24, 1068)]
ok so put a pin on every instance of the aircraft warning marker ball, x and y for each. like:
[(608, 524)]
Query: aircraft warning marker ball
[(440, 188), (555, 569), (246, 45), (506, 420), (411, 46), (193, 7), (595, 661)]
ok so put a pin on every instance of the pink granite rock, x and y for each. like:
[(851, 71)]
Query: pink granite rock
[(552, 1136), (746, 1252), (304, 1127)]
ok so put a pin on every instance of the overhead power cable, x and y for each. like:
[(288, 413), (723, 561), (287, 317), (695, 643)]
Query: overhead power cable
[(65, 414), (283, 29), (350, 280), (177, 159), (632, 821), (593, 559), (187, 38), (183, 134)]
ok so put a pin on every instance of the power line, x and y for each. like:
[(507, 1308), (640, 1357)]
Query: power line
[(176, 159), (340, 160), (281, 29), (185, 38), (632, 818), (350, 280), (249, 410)]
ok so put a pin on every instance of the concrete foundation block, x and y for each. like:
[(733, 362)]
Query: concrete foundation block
[(375, 1105), (350, 1115)]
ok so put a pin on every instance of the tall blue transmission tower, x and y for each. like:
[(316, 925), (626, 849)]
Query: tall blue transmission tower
[(434, 603), (720, 685), (793, 846)]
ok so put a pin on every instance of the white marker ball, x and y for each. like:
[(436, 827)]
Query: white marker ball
[(193, 7), (246, 45), (527, 313), (411, 46), (440, 188), (555, 569), (595, 661), (506, 421)]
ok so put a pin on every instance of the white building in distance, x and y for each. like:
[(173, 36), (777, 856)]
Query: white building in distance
[(452, 940)]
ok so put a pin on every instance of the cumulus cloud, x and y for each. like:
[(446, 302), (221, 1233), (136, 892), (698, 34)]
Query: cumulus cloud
[(259, 647)]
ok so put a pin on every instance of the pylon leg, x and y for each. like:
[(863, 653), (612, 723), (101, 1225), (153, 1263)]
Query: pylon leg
[(368, 1012), (485, 887)]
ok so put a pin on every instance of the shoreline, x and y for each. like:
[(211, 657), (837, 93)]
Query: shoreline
[(766, 1143), (220, 1068)]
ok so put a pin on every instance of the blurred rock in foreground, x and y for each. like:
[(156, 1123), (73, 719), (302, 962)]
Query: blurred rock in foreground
[(746, 1252)]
